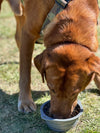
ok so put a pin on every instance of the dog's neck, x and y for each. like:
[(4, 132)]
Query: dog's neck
[(76, 26)]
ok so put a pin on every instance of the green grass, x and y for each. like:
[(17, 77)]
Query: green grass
[(11, 121)]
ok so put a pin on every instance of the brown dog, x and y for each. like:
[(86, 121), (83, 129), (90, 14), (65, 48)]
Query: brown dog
[(68, 64), (30, 17)]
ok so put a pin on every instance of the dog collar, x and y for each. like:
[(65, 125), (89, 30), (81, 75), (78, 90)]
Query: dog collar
[(57, 8)]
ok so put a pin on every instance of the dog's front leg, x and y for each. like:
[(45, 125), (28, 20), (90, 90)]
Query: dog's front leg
[(34, 14), (25, 101)]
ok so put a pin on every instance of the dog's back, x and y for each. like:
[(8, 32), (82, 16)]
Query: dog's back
[(77, 23)]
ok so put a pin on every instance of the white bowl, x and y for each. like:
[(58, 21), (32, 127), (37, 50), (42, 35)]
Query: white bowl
[(61, 125)]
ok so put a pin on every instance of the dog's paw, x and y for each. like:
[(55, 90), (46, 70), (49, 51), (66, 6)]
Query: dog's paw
[(26, 106)]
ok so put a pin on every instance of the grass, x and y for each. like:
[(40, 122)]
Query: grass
[(11, 121)]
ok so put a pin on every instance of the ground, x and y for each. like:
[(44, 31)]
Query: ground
[(11, 121)]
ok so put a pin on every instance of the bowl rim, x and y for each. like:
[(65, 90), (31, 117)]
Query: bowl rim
[(47, 118)]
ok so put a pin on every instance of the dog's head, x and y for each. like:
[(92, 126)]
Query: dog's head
[(68, 69), (16, 6)]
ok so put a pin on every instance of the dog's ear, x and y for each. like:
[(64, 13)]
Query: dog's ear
[(93, 67), (16, 6), (94, 64), (39, 62)]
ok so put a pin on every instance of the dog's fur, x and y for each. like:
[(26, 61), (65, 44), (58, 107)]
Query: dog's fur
[(68, 68), (68, 63), (77, 25)]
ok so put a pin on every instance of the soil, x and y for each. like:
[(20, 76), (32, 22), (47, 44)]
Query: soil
[(75, 112)]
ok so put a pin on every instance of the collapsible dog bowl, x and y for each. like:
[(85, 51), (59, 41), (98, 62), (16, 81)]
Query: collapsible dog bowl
[(60, 125)]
